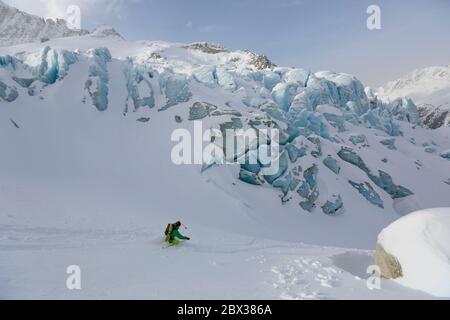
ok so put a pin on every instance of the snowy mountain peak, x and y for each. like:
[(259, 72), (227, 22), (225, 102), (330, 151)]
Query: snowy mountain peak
[(211, 48), (419, 83), (430, 89), (18, 27), (106, 31)]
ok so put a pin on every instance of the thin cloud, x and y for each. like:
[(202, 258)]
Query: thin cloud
[(58, 8)]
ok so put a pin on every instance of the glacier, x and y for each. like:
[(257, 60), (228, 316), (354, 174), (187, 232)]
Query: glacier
[(312, 111)]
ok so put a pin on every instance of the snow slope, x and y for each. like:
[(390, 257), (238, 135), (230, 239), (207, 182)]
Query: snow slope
[(430, 89), (86, 176), (20, 27), (421, 243)]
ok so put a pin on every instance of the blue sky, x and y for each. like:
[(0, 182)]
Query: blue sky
[(314, 34)]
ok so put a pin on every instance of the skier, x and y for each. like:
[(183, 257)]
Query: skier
[(173, 236)]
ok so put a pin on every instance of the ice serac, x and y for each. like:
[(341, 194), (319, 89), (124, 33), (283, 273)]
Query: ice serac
[(332, 164), (341, 91), (325, 120), (97, 84), (333, 115), (250, 178), (333, 207), (8, 93), (283, 163), (313, 121), (368, 192), (299, 76), (206, 75), (308, 188), (54, 64), (139, 86), (389, 143), (405, 109), (285, 183), (446, 155), (175, 88), (225, 79), (271, 79), (358, 139), (383, 180), (283, 94), (349, 89)]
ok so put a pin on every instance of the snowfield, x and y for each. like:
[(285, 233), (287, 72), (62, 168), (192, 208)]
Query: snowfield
[(87, 179)]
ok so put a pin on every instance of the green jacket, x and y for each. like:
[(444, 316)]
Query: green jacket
[(176, 234)]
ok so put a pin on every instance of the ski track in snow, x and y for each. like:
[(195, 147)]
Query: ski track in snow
[(276, 270), (19, 237)]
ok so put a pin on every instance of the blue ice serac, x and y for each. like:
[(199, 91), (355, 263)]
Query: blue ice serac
[(323, 118), (97, 83), (54, 64), (139, 77), (175, 88)]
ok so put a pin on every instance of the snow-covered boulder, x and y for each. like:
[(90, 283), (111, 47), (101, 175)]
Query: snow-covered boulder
[(415, 250)]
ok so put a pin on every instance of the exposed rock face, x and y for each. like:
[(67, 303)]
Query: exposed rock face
[(435, 117), (18, 27), (260, 61), (389, 265), (106, 31), (205, 47)]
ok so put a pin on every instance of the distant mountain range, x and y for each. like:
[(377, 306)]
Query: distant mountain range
[(430, 90)]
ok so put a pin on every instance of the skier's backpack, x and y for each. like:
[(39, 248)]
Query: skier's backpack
[(168, 231)]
